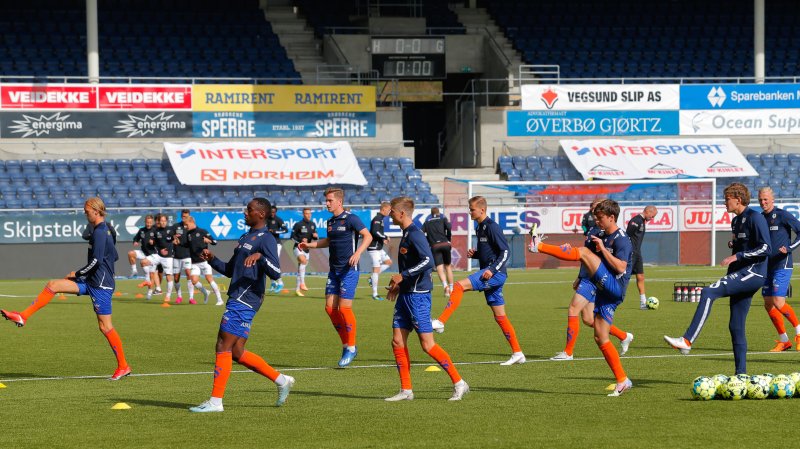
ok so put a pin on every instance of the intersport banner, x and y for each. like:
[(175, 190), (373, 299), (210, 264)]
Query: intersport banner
[(657, 158), (600, 97), (265, 163)]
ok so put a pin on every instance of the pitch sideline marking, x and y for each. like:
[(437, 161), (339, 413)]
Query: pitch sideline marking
[(383, 365)]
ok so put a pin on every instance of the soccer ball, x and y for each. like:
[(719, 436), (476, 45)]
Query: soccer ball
[(781, 387), (743, 377), (721, 381), (652, 303), (757, 388), (795, 379), (704, 388), (768, 376), (735, 389)]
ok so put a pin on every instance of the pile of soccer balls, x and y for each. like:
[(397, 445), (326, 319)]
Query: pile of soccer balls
[(652, 303), (740, 386)]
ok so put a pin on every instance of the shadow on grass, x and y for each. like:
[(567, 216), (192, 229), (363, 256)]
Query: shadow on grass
[(154, 403), (637, 382), (326, 394), (13, 376)]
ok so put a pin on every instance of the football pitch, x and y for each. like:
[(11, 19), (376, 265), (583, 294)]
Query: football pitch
[(57, 395)]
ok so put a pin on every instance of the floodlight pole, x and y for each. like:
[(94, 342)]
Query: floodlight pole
[(92, 46), (714, 221), (758, 41)]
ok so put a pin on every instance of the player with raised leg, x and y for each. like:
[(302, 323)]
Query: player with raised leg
[(343, 230), (609, 272), (779, 270), (747, 269), (304, 230), (253, 260), (95, 279), (411, 287), (492, 254)]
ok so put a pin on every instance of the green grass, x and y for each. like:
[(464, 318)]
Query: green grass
[(539, 404)]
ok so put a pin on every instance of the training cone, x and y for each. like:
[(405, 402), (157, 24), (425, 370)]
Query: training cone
[(121, 406), (61, 296), (139, 295), (611, 387), (117, 293), (285, 290), (165, 304), (2, 385), (432, 369)]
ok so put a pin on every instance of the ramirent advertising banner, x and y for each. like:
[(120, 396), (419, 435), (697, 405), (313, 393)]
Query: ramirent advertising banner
[(265, 163), (657, 158), (600, 97), (272, 98)]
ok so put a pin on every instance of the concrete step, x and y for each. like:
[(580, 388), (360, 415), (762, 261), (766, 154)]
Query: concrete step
[(293, 26)]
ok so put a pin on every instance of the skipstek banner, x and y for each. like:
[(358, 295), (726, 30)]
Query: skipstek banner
[(99, 124), (95, 97), (600, 97), (657, 158), (284, 124), (265, 163), (592, 123)]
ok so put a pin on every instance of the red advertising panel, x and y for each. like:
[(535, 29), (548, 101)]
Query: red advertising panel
[(145, 97), (48, 96)]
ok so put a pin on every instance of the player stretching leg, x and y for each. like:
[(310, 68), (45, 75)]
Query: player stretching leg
[(343, 231), (747, 268), (779, 270), (95, 279), (492, 254), (412, 290), (583, 303), (609, 272), (304, 230), (253, 260)]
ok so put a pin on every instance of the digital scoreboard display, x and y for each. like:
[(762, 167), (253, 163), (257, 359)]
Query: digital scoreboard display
[(409, 57)]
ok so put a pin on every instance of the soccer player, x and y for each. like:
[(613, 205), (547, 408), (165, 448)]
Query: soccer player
[(95, 279), (747, 270), (583, 304), (343, 256), (588, 221), (163, 243), (610, 273), (492, 254), (142, 248), (276, 228), (779, 269), (437, 230), (635, 231), (197, 239), (304, 230), (411, 287), (182, 260), (380, 260), (253, 260)]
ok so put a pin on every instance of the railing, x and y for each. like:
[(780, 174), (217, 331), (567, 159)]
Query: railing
[(140, 79)]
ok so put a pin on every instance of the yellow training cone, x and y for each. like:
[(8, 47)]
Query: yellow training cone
[(2, 385), (611, 387), (121, 406), (432, 369)]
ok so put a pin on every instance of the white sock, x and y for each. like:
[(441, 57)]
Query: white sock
[(642, 298), (384, 267), (215, 287), (374, 277), (216, 402), (279, 283), (301, 273), (351, 348), (170, 285), (190, 288), (797, 329), (784, 338), (178, 289), (200, 287), (280, 380), (133, 268)]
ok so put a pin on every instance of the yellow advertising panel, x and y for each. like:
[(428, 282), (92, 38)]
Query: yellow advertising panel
[(272, 98)]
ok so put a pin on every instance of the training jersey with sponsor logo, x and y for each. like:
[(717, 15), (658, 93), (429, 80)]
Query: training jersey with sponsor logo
[(492, 251), (781, 224), (248, 283), (437, 229), (194, 240), (751, 242), (635, 230), (163, 240), (415, 261), (620, 246), (343, 232), (99, 270), (276, 227), (376, 229), (303, 230), (180, 251), (143, 237)]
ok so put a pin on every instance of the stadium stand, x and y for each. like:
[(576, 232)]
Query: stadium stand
[(151, 183)]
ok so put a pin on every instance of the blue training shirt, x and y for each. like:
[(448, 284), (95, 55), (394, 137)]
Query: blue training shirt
[(99, 271), (492, 251), (751, 242), (248, 283), (415, 261), (619, 245), (343, 232), (781, 224)]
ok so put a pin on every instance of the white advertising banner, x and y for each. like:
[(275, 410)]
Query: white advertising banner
[(740, 122), (600, 97), (657, 158), (265, 163)]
